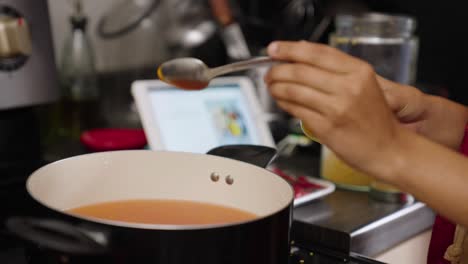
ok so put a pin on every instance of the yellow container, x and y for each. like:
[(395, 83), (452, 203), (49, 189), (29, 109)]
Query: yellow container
[(336, 171), (383, 187)]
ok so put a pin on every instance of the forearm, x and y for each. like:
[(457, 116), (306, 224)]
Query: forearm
[(431, 172)]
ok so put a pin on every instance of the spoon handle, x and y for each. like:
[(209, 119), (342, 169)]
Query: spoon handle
[(240, 66)]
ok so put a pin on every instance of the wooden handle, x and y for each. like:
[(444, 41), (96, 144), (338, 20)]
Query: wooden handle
[(222, 11)]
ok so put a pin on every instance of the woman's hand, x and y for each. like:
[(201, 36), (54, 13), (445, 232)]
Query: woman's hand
[(354, 112), (434, 117), (339, 99)]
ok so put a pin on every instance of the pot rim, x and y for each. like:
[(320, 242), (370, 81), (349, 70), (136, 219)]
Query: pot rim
[(164, 227)]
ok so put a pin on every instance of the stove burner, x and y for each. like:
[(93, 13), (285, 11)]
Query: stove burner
[(304, 256), (17, 255)]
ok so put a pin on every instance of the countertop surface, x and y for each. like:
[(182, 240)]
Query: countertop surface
[(349, 220)]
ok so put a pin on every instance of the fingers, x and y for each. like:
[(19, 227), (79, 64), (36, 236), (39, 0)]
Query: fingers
[(393, 96), (302, 74), (300, 95), (387, 84), (318, 55), (395, 101), (406, 102), (412, 107), (310, 119)]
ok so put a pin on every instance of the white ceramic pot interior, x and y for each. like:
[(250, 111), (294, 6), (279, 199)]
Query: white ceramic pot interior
[(128, 175)]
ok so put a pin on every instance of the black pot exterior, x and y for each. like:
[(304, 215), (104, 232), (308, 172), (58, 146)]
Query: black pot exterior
[(58, 237), (265, 241)]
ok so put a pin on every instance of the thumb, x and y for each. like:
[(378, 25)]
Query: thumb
[(405, 101)]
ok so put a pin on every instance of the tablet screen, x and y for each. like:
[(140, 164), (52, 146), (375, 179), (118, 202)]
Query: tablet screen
[(197, 121)]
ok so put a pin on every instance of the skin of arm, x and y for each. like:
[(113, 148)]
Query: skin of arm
[(390, 131)]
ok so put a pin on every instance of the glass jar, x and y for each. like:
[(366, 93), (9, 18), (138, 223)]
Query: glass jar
[(335, 170), (385, 41), (388, 44)]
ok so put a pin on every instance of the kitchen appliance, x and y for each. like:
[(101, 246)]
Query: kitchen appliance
[(27, 66), (27, 79)]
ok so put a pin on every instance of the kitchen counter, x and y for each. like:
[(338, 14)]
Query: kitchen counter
[(367, 227), (349, 221)]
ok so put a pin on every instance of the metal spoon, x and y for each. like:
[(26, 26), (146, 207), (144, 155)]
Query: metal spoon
[(193, 74)]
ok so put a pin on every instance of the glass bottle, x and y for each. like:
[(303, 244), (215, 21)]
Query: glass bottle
[(78, 109)]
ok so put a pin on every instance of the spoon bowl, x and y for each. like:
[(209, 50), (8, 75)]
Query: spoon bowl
[(193, 74), (186, 73)]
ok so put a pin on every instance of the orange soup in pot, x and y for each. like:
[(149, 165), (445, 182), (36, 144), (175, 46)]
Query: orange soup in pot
[(164, 212)]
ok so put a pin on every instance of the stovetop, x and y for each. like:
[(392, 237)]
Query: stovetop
[(18, 255)]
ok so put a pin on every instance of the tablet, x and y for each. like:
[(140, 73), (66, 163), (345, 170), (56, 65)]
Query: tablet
[(227, 112)]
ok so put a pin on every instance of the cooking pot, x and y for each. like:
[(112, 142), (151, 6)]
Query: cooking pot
[(142, 174)]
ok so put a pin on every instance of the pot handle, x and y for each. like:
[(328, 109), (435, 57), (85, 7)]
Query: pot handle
[(257, 155), (57, 235)]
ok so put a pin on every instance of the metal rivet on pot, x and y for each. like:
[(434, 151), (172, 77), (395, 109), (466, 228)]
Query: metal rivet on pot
[(229, 180), (214, 176)]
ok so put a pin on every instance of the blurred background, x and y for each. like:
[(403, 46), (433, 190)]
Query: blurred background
[(130, 38), (443, 40), (98, 48)]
